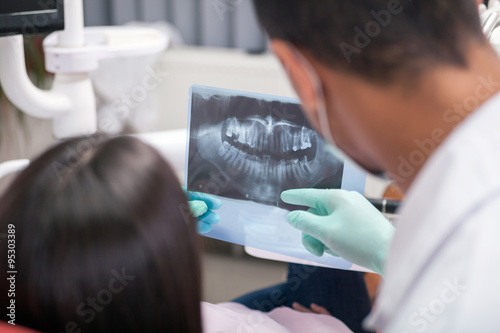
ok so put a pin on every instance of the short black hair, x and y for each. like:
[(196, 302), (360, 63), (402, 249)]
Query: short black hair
[(376, 39), (104, 241)]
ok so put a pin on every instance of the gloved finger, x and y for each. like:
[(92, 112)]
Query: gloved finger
[(313, 211), (303, 197), (204, 228), (198, 208), (210, 218), (308, 223), (314, 246), (330, 252), (312, 242), (311, 197), (212, 202)]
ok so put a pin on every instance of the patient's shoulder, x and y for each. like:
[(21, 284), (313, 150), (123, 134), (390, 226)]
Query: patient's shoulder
[(234, 317)]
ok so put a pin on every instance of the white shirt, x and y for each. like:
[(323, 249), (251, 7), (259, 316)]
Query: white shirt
[(443, 270), (236, 318)]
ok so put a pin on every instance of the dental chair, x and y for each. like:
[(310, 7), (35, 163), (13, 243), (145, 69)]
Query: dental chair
[(8, 328)]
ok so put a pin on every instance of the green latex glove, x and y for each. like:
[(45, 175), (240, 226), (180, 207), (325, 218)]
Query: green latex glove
[(197, 208), (341, 223), (202, 207)]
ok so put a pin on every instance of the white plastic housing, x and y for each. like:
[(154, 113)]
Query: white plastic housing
[(101, 43), (18, 87), (82, 120), (9, 167)]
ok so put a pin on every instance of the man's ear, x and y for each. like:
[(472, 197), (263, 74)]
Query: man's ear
[(300, 78)]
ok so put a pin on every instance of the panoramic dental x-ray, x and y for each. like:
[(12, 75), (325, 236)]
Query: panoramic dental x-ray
[(247, 149)]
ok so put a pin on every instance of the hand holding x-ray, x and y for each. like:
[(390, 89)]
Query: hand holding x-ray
[(245, 149), (341, 223), (202, 207)]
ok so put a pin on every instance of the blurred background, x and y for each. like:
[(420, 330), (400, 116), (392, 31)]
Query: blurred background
[(222, 23), (211, 42)]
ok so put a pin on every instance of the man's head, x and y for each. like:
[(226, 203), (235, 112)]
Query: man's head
[(368, 57), (378, 40)]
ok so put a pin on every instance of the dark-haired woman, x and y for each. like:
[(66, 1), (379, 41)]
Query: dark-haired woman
[(104, 241)]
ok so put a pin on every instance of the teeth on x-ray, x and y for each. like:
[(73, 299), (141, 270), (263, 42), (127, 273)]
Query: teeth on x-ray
[(247, 145), (265, 137), (243, 140)]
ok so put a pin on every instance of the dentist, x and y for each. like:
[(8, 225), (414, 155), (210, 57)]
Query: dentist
[(408, 89)]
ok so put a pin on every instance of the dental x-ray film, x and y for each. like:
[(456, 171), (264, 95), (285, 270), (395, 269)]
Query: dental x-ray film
[(247, 148)]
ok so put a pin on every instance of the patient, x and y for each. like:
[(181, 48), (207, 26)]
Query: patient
[(105, 243)]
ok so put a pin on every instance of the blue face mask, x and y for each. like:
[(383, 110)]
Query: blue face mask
[(325, 131)]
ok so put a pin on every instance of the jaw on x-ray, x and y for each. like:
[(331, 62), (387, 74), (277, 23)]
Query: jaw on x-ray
[(254, 148)]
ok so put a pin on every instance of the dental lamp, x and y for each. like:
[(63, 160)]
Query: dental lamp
[(71, 54)]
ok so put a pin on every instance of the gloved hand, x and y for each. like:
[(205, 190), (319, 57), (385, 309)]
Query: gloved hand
[(341, 223), (202, 207)]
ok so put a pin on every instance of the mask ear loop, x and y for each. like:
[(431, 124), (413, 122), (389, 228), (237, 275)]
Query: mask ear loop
[(322, 112), (320, 95), (324, 123)]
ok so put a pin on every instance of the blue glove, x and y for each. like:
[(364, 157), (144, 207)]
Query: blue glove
[(202, 207), (341, 223)]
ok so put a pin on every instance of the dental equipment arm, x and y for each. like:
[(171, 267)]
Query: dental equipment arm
[(71, 55), (341, 223), (18, 87), (385, 206), (10, 167), (71, 101)]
